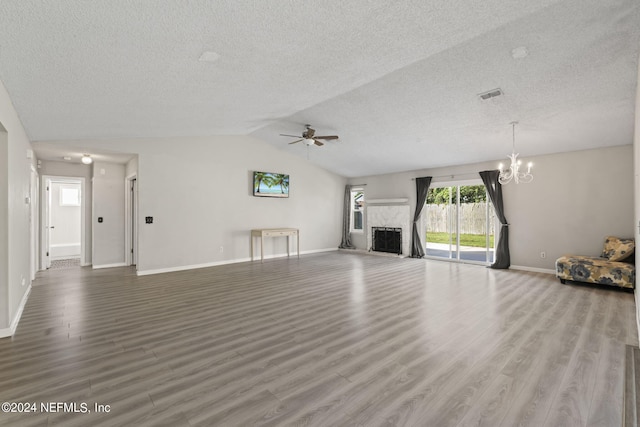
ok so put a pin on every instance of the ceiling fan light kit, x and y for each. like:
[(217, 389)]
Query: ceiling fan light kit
[(514, 173)]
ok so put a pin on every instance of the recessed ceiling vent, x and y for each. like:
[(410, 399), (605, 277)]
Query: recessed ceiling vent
[(491, 94)]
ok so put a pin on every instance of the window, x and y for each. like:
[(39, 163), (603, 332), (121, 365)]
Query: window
[(357, 209), (69, 196)]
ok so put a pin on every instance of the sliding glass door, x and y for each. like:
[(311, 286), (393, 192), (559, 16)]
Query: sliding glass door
[(460, 223)]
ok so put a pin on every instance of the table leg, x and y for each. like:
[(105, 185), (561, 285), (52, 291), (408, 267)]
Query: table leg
[(252, 247), (261, 249), (298, 238)]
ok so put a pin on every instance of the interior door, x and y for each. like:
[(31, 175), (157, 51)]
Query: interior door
[(47, 225), (134, 222), (33, 221)]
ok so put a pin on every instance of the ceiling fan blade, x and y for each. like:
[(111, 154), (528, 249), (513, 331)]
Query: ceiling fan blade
[(318, 143), (294, 136), (326, 138), (296, 141)]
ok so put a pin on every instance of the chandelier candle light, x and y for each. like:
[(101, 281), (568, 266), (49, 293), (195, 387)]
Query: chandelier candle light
[(506, 175)]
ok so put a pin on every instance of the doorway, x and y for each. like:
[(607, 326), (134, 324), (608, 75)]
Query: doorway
[(34, 222), (460, 223), (131, 223), (63, 222)]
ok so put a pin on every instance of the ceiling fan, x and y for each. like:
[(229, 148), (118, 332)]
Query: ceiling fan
[(309, 138)]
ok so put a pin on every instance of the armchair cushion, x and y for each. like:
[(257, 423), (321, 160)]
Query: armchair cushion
[(616, 249)]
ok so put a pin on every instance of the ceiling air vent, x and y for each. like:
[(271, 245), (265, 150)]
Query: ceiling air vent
[(491, 94)]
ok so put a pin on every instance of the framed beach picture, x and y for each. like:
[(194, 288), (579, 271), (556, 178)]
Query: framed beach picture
[(269, 184)]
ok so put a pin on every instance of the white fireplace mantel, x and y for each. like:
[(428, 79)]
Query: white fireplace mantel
[(398, 201)]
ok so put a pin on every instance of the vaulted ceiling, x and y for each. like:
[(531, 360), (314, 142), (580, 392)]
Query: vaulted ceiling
[(397, 81)]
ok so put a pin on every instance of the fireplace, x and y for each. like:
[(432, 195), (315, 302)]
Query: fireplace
[(389, 214), (387, 239)]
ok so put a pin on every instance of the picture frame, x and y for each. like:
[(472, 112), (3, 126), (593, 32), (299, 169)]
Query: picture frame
[(270, 184)]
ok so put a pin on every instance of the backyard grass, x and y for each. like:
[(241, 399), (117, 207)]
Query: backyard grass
[(474, 240)]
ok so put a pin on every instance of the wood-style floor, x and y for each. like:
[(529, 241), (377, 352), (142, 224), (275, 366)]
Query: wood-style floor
[(329, 339)]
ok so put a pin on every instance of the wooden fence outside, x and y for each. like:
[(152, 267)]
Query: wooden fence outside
[(473, 218)]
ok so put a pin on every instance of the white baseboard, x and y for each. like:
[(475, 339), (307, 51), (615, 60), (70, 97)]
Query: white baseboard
[(70, 256), (189, 267), (119, 264), (230, 261), (316, 251), (57, 258), (65, 251), (533, 269), (8, 332)]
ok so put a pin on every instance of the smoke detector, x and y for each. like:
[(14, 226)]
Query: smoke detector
[(519, 52), (209, 56)]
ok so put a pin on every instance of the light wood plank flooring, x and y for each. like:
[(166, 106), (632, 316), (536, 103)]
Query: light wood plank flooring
[(333, 339)]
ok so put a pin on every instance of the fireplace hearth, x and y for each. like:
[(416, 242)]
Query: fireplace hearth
[(387, 239)]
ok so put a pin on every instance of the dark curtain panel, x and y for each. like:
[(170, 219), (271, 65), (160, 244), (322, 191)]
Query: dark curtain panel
[(346, 220), (494, 188), (422, 187)]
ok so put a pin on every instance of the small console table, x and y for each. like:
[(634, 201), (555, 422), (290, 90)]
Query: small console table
[(274, 232)]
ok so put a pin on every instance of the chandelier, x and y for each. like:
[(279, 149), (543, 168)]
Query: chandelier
[(513, 173)]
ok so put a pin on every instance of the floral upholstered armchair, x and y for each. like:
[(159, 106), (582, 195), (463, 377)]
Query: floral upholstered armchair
[(614, 267)]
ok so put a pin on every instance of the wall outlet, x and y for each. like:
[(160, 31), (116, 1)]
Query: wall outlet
[(221, 249), (543, 254), (24, 282)]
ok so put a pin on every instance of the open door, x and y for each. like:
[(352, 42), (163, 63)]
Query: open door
[(134, 222), (131, 206), (63, 220), (33, 220), (46, 223)]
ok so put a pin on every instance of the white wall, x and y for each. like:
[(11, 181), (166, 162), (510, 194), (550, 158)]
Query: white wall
[(15, 253), (131, 168), (108, 204), (575, 200), (79, 170), (4, 230), (199, 192)]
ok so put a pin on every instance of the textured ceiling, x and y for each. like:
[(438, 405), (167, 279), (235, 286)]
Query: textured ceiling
[(398, 81)]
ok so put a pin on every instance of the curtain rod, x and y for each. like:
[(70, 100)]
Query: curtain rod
[(453, 176)]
